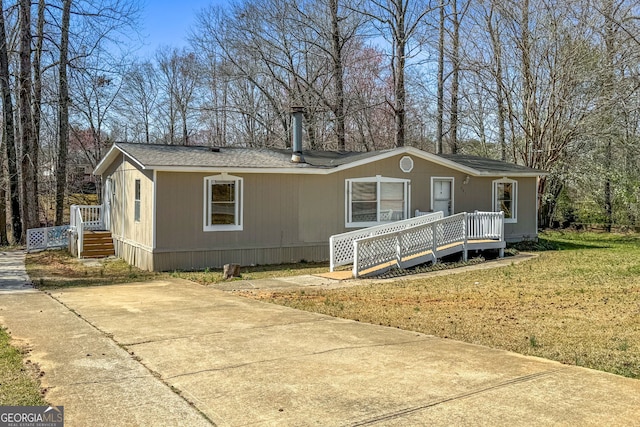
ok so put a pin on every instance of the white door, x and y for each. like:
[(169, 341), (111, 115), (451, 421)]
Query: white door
[(106, 203), (442, 195)]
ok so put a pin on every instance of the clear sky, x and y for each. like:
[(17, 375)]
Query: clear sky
[(167, 22)]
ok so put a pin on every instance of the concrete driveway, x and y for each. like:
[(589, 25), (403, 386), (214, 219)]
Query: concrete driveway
[(243, 362)]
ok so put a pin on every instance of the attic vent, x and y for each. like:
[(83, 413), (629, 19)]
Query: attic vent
[(406, 164)]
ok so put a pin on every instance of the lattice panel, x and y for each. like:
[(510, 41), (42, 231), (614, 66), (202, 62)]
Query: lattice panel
[(451, 230), (417, 239), (50, 237), (37, 238), (376, 251), (58, 236), (342, 244)]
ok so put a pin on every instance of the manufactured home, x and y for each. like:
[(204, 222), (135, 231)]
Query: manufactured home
[(191, 207)]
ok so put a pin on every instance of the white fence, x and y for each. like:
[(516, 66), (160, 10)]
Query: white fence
[(341, 245), (47, 238), (426, 242)]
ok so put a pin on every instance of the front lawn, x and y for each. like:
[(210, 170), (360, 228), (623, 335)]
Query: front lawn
[(578, 304), (58, 269)]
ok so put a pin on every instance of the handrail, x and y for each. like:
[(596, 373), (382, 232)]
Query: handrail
[(341, 245), (85, 217), (485, 225), (389, 249)]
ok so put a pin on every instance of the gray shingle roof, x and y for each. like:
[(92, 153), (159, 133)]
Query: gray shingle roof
[(483, 164), (155, 156)]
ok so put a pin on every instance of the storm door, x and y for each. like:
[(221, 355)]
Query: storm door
[(442, 195)]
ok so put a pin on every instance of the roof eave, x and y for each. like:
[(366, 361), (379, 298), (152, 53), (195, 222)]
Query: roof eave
[(111, 155)]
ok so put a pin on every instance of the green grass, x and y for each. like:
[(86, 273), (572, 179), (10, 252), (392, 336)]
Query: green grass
[(18, 383), (578, 302)]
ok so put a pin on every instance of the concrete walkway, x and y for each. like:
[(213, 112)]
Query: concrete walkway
[(98, 382), (13, 276), (112, 354)]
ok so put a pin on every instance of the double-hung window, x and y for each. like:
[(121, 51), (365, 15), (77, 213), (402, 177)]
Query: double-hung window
[(223, 203), (136, 201), (505, 198), (375, 200)]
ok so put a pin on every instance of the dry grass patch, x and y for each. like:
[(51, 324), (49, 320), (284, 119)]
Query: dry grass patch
[(579, 304), (55, 269), (214, 275), (18, 382)]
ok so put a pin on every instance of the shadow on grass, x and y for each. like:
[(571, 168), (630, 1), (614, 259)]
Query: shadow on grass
[(544, 244)]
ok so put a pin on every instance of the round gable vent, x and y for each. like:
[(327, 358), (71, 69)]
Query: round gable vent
[(406, 164)]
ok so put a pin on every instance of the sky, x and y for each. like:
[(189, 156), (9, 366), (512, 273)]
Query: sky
[(167, 22)]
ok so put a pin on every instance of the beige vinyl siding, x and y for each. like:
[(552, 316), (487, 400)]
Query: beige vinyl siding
[(123, 226), (296, 210)]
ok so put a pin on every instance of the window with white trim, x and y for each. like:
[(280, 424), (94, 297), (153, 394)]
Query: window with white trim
[(376, 200), (223, 203), (136, 201), (505, 198)]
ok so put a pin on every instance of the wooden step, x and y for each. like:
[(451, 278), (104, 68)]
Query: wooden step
[(97, 244)]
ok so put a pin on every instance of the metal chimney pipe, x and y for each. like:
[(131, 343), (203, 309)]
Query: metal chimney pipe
[(296, 156)]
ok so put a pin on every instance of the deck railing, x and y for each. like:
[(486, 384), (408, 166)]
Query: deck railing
[(341, 245), (424, 242), (85, 217), (485, 225)]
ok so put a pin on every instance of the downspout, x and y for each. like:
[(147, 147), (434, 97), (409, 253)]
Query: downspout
[(153, 215)]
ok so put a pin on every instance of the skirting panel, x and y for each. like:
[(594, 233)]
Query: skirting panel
[(134, 255), (199, 260)]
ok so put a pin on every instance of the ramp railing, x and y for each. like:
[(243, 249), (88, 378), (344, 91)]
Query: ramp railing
[(423, 242), (341, 245)]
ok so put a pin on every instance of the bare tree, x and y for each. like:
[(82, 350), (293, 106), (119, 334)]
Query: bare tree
[(63, 113), (180, 72), (28, 140), (140, 96), (397, 21), (9, 136)]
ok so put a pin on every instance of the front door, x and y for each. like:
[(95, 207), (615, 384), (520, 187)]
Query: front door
[(106, 203), (442, 195)]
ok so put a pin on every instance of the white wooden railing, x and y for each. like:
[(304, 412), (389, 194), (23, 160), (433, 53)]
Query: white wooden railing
[(85, 217), (426, 242), (485, 225), (341, 245)]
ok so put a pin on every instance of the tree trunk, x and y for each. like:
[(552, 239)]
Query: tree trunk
[(15, 226), (63, 114), (3, 201), (27, 135), (527, 90), (338, 75), (608, 97), (455, 75), (398, 73), (440, 95), (497, 57), (37, 92)]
